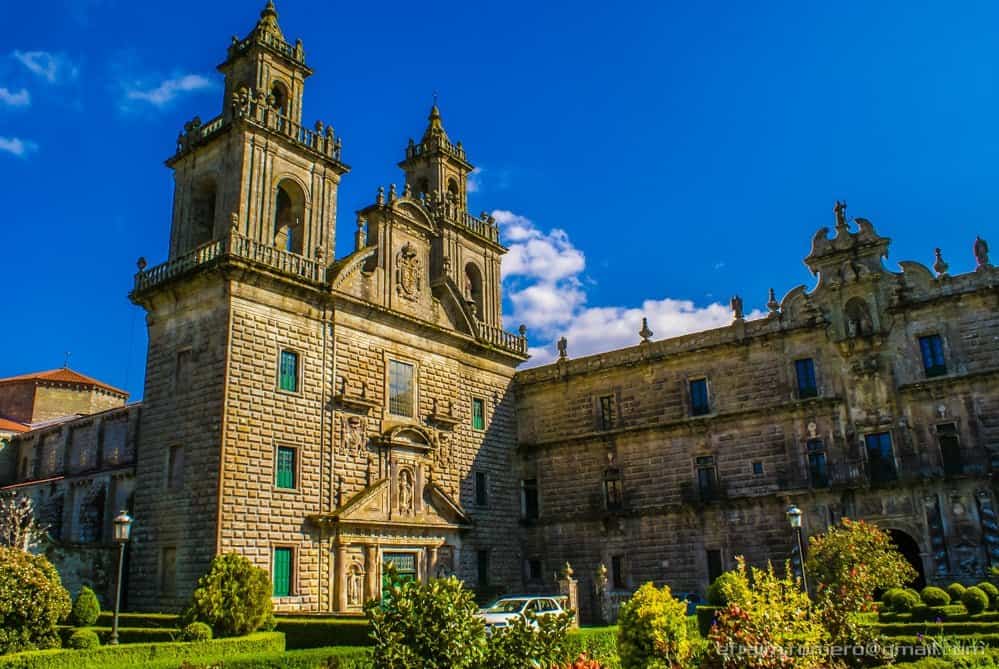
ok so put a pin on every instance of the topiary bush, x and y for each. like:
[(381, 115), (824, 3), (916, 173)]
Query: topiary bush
[(83, 639), (233, 598), (933, 596), (652, 629), (975, 600), (955, 590), (725, 588), (86, 608), (539, 642), (32, 602), (992, 591), (196, 631), (888, 595), (905, 600)]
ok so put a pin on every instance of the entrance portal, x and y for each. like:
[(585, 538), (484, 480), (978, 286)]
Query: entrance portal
[(405, 569), (909, 549)]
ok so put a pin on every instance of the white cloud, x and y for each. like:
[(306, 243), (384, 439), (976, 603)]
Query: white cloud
[(19, 99), (16, 146), (167, 90), (543, 278), (53, 67), (474, 183)]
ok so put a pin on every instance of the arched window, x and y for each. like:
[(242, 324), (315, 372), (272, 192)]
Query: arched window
[(452, 190), (279, 98), (857, 317), (424, 186), (473, 287), (203, 212), (289, 216)]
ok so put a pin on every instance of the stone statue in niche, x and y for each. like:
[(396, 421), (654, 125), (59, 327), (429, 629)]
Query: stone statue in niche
[(355, 435), (858, 318), (442, 456), (408, 271), (405, 491), (355, 585)]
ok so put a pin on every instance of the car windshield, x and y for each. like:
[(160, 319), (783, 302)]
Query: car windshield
[(507, 606)]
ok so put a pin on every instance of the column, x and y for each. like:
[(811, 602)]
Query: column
[(371, 573), (431, 562), (341, 577)]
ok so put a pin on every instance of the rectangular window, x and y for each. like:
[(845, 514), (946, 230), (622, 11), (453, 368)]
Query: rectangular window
[(175, 467), (818, 472), (284, 469), (282, 571), (612, 490), (950, 449), (289, 372), (534, 570), (714, 564), (400, 388), (481, 489), (482, 564), (529, 498), (757, 469), (478, 413), (805, 371), (617, 572), (182, 377), (707, 484), (699, 397), (168, 571), (606, 412), (931, 347), (880, 460)]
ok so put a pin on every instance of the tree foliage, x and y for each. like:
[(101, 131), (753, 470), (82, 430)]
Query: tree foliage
[(19, 528), (233, 598), (652, 630), (32, 601), (426, 625), (86, 608)]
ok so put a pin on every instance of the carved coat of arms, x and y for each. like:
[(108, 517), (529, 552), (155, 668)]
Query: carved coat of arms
[(408, 271), (355, 435)]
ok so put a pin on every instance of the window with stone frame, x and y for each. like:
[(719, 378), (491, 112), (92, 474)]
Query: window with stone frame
[(950, 449), (478, 413), (818, 469), (182, 372), (529, 499), (481, 489), (804, 370), (288, 373), (707, 477), (880, 457), (282, 571), (613, 496), (618, 581), (607, 417), (285, 467), (932, 350), (699, 402), (534, 569), (482, 566), (175, 467), (401, 389)]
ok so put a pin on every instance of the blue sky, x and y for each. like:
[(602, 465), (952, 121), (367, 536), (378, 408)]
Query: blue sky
[(644, 158)]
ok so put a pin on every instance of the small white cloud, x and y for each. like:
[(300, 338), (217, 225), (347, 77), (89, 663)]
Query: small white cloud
[(16, 146), (168, 90), (719, 265), (19, 99), (474, 183), (53, 67)]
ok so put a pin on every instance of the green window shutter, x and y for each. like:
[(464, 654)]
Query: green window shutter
[(285, 477), (289, 371), (478, 414), (282, 572)]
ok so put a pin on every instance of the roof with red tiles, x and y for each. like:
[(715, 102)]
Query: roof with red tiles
[(64, 375), (12, 426)]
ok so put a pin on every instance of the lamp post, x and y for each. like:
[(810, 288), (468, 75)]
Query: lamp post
[(794, 518), (122, 530)]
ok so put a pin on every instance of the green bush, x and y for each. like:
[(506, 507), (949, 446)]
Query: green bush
[(32, 602), (992, 591), (166, 620), (233, 598), (933, 596), (726, 587), (652, 629), (86, 608), (905, 600), (426, 625), (147, 655), (975, 600), (196, 632), (888, 595), (83, 639), (955, 590), (335, 657), (598, 643), (324, 632), (525, 643)]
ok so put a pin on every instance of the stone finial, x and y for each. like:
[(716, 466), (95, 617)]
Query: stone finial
[(234, 221), (320, 254), (601, 576), (840, 210), (567, 571), (407, 190), (563, 348), (319, 127), (736, 305), (523, 331), (360, 235), (141, 264), (645, 333), (380, 199), (299, 50), (939, 266), (981, 250), (773, 306), (391, 197)]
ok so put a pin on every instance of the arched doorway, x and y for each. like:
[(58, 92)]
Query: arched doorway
[(909, 549)]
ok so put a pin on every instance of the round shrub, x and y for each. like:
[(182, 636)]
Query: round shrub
[(233, 598), (32, 601), (992, 591), (888, 595), (86, 608), (82, 639), (933, 596), (905, 600), (975, 600), (652, 629), (196, 632), (726, 587), (955, 590)]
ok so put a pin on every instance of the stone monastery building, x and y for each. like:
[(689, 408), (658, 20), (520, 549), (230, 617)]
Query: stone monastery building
[(324, 416)]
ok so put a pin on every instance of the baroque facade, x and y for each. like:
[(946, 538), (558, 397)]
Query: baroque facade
[(325, 416)]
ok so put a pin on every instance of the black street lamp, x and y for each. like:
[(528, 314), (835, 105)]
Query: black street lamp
[(794, 518), (122, 531)]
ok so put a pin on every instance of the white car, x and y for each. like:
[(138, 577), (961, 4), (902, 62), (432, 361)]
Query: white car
[(501, 612)]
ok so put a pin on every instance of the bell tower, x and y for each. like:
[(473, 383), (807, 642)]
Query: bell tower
[(255, 168), (436, 166)]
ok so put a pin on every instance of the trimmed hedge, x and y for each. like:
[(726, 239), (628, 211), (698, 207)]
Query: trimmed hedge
[(334, 657), (992, 591), (170, 620), (955, 590), (147, 655), (128, 634), (947, 628), (975, 600), (929, 613), (324, 632), (934, 596)]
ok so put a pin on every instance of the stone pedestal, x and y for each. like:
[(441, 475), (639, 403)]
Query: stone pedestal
[(569, 587)]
